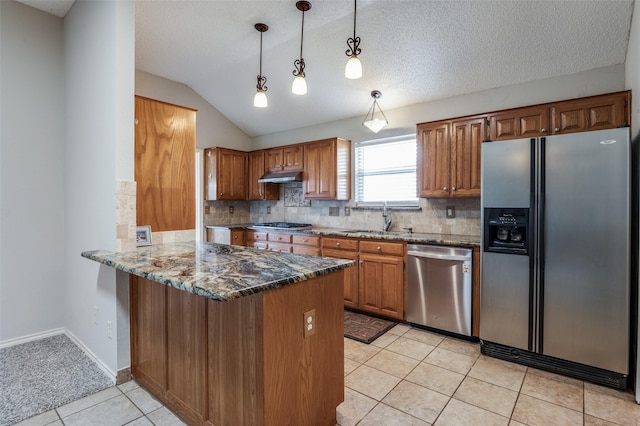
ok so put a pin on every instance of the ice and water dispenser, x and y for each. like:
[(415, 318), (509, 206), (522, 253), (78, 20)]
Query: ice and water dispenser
[(506, 230)]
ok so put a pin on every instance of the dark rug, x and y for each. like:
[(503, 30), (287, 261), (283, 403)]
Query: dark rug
[(364, 328), (44, 374)]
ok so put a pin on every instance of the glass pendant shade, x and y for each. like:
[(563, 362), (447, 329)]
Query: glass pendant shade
[(260, 100), (375, 125), (299, 86), (353, 69)]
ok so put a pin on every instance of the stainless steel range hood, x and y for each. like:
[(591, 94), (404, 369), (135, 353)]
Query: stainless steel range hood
[(281, 177)]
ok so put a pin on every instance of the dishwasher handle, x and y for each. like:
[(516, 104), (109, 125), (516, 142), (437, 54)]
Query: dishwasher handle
[(428, 255)]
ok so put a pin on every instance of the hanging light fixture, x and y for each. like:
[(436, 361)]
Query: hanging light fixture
[(260, 99), (299, 86), (370, 121), (353, 69)]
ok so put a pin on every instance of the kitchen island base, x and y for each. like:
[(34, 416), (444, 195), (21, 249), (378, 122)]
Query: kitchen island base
[(245, 361)]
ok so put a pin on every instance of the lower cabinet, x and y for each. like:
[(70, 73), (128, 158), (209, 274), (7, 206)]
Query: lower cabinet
[(221, 235), (351, 280)]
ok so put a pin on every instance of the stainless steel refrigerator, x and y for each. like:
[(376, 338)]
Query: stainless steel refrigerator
[(556, 241)]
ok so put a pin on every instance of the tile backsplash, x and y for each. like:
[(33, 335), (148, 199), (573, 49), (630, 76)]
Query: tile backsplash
[(292, 207)]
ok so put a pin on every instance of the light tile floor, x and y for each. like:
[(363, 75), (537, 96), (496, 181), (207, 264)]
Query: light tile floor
[(407, 377)]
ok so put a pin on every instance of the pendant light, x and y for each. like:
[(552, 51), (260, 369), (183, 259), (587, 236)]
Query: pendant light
[(353, 69), (299, 86), (370, 121), (260, 99)]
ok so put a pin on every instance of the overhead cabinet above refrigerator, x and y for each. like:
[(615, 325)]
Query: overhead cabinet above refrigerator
[(556, 253)]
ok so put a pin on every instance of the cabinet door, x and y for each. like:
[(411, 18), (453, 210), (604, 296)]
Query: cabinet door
[(519, 123), (231, 174), (320, 169), (351, 281), (274, 160), (382, 285), (433, 160), (257, 190), (292, 158), (595, 113), (466, 144), (238, 237)]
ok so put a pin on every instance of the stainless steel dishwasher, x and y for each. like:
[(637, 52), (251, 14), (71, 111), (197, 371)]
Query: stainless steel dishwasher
[(439, 282)]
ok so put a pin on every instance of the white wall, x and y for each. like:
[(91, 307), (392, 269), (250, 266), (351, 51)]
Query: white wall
[(99, 64), (31, 172), (212, 128), (403, 121)]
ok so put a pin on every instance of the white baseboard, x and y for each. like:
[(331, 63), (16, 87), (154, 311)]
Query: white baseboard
[(74, 339), (31, 337)]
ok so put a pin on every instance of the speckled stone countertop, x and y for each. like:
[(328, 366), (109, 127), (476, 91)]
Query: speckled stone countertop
[(217, 271), (414, 237)]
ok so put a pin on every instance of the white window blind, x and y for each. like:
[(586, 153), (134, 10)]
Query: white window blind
[(386, 171)]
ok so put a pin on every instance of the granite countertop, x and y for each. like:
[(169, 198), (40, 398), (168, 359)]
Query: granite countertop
[(217, 271), (414, 237)]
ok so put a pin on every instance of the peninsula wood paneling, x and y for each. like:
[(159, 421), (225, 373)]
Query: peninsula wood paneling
[(165, 165)]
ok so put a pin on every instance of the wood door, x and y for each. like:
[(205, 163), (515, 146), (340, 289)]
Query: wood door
[(187, 354), (257, 190), (274, 160), (320, 169), (466, 146), (165, 145), (231, 174), (594, 113), (433, 164), (148, 333), (292, 158), (351, 281), (519, 123)]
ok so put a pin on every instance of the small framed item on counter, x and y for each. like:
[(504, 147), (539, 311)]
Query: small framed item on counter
[(143, 236)]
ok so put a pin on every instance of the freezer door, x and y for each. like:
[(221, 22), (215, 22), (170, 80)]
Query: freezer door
[(504, 299), (506, 173), (586, 219)]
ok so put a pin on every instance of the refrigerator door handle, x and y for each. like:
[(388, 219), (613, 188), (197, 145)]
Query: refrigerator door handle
[(541, 243)]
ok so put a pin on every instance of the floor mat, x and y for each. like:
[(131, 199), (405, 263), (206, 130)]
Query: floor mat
[(364, 328), (44, 374)]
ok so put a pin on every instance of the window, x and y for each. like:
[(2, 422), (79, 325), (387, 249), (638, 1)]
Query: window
[(386, 171)]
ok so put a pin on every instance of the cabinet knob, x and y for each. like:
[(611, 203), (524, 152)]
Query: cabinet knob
[(453, 188), (209, 175), (379, 248), (557, 129), (305, 240), (543, 130), (445, 189), (338, 244)]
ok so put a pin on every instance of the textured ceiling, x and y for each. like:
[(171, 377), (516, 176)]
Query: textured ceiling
[(412, 51), (54, 7)]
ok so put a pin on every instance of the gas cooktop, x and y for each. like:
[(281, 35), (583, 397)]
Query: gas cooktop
[(283, 225)]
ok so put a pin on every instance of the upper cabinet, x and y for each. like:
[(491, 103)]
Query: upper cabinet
[(327, 169), (448, 163), (257, 190), (165, 145), (594, 113), (285, 159), (519, 123), (225, 172)]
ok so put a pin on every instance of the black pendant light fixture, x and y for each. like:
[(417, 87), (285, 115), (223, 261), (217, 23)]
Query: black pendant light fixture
[(260, 99), (370, 120), (353, 70), (299, 86)]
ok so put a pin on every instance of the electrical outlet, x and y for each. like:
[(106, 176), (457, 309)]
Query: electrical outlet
[(95, 315), (109, 330), (269, 210), (230, 209), (207, 209), (334, 211), (347, 211), (309, 323), (451, 212)]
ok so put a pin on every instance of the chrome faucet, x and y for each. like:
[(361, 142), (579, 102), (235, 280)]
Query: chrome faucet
[(386, 218)]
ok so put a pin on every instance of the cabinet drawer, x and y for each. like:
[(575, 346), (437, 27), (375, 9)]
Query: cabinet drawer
[(340, 244), (279, 238), (281, 247), (237, 237), (256, 235), (393, 249), (307, 240), (261, 245), (311, 251)]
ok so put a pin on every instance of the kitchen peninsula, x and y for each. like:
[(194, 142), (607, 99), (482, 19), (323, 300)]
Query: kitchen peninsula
[(227, 335)]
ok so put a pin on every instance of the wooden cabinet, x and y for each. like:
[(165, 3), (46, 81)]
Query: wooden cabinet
[(225, 174), (382, 286), (449, 157), (306, 244), (519, 123), (222, 235), (257, 190), (345, 248), (285, 159), (327, 169), (594, 113)]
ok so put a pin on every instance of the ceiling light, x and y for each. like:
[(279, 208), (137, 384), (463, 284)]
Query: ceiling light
[(260, 99), (353, 69), (370, 120), (299, 86)]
